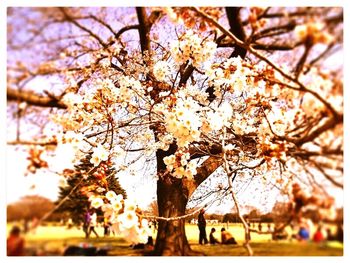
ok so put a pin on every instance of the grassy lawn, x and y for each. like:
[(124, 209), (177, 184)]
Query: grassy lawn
[(271, 249), (53, 240)]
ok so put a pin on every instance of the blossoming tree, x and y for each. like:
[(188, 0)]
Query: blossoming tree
[(237, 90)]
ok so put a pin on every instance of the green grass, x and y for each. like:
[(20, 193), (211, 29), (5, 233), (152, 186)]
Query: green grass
[(271, 249), (53, 240)]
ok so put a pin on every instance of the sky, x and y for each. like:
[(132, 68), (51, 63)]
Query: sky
[(46, 183)]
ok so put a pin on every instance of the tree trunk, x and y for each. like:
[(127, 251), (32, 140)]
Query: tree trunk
[(172, 200)]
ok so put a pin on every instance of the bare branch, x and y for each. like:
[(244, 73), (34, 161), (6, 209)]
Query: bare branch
[(203, 172), (328, 177), (73, 21), (34, 99), (228, 172), (125, 29), (41, 143), (236, 28), (276, 30), (144, 28)]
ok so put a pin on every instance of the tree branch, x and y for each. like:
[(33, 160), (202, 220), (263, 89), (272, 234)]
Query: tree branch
[(74, 22), (236, 28), (144, 28), (41, 143), (331, 123), (276, 30), (328, 177), (263, 46), (203, 172), (34, 99), (229, 174), (125, 29)]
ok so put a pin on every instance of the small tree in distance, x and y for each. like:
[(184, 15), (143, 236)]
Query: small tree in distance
[(80, 185), (28, 208)]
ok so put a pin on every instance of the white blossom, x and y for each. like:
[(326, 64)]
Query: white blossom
[(99, 154), (161, 69), (96, 202)]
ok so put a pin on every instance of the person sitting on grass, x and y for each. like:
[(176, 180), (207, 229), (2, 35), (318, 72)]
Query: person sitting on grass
[(15, 243), (279, 233), (318, 235), (213, 240), (303, 234), (227, 238), (148, 246)]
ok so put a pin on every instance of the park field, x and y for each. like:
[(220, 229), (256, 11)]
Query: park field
[(52, 240)]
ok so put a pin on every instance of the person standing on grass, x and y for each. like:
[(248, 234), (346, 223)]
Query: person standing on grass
[(106, 226), (93, 224), (201, 225), (15, 243), (269, 227), (87, 220), (340, 233)]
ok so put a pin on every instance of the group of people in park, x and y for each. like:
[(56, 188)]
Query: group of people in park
[(15, 242), (303, 233), (320, 235), (226, 237)]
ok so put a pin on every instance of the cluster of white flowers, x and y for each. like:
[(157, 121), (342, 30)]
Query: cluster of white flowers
[(71, 99), (161, 69), (244, 123), (198, 94), (86, 109), (182, 121), (165, 141), (73, 138), (127, 86), (123, 216), (179, 165), (219, 118), (99, 154), (230, 76), (191, 47), (76, 117)]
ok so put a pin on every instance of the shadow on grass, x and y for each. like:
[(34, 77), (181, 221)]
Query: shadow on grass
[(119, 247), (51, 247), (272, 249)]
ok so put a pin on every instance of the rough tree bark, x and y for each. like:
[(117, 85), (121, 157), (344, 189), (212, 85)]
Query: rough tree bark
[(172, 200), (173, 195)]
